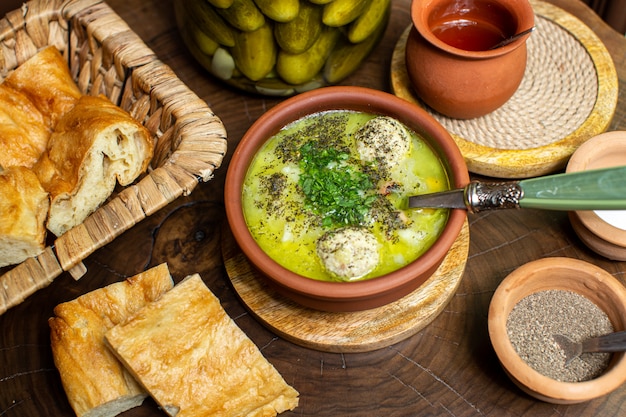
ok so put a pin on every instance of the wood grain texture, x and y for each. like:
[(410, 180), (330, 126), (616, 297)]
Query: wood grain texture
[(353, 332), (446, 369)]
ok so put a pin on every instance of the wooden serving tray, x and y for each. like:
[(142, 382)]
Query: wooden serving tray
[(360, 331)]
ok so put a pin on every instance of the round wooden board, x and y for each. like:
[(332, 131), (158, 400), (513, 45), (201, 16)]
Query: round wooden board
[(361, 331), (566, 128)]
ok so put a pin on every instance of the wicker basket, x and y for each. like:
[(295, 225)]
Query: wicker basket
[(106, 57)]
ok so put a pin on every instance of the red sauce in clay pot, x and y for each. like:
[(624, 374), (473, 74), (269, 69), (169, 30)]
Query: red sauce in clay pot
[(449, 57), (479, 27)]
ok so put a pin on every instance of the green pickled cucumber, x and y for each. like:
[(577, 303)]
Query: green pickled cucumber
[(301, 33), (218, 62), (210, 21), (186, 30), (301, 68), (347, 56), (255, 52), (205, 42), (320, 1), (222, 4), (341, 12), (279, 10), (364, 25), (243, 15)]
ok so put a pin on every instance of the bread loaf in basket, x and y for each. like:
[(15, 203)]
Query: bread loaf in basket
[(106, 57)]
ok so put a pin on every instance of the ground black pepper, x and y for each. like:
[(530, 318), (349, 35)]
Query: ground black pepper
[(537, 317)]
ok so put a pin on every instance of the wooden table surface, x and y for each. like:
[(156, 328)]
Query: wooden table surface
[(447, 369)]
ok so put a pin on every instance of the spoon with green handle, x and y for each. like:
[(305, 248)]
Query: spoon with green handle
[(612, 342), (600, 189)]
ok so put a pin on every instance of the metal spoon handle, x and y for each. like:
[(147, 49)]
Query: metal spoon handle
[(599, 189), (612, 342), (512, 38)]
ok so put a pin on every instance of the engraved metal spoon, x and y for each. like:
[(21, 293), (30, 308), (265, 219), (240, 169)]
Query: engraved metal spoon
[(599, 189), (612, 342), (511, 39)]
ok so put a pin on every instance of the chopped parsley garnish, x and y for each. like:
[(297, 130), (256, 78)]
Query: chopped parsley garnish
[(334, 189)]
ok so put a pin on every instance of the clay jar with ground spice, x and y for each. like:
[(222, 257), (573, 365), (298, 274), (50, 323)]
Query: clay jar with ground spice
[(572, 275), (448, 56)]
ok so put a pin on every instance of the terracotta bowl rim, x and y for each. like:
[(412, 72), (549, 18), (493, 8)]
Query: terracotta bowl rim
[(582, 159), (594, 242), (522, 374), (337, 98), (419, 19)]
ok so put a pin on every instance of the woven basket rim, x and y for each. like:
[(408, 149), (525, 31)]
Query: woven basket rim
[(197, 137)]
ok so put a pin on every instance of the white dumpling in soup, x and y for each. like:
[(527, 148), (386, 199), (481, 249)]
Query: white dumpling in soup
[(383, 139), (349, 253)]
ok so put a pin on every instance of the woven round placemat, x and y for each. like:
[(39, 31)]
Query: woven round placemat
[(568, 95)]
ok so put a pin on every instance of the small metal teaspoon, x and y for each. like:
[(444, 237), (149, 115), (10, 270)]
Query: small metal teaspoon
[(612, 342), (512, 38)]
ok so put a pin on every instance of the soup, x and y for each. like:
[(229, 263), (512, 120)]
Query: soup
[(326, 197)]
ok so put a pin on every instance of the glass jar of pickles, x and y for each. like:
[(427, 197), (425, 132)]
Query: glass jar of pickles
[(281, 47)]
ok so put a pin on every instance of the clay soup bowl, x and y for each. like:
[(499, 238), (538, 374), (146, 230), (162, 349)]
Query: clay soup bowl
[(356, 295)]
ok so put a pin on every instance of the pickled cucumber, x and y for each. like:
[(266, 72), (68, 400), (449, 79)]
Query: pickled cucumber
[(279, 10), (210, 21), (205, 42), (301, 33), (243, 15), (347, 56), (222, 4), (280, 47), (255, 52), (341, 12), (364, 25), (300, 68)]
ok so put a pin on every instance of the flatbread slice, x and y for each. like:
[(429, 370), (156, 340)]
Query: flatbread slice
[(96, 383), (195, 361)]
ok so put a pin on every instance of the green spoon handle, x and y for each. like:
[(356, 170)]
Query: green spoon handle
[(600, 189)]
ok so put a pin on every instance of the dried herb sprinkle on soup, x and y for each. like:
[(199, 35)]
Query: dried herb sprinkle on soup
[(325, 197)]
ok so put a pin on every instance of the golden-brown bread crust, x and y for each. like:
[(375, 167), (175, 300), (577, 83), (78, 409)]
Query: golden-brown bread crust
[(195, 361), (46, 80), (23, 132), (78, 146), (93, 145), (95, 382), (23, 210)]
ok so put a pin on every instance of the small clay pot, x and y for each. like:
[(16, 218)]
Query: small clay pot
[(586, 279), (454, 80), (602, 231), (357, 295)]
